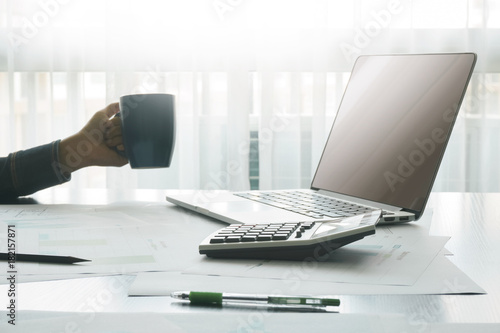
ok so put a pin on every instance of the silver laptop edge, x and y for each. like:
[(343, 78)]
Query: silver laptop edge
[(433, 86)]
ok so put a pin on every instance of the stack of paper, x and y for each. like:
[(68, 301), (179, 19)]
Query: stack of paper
[(159, 243), (118, 239), (398, 259)]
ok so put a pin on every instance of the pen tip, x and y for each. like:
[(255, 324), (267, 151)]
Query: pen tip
[(80, 260)]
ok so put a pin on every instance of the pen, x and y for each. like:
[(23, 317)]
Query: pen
[(40, 258), (211, 298)]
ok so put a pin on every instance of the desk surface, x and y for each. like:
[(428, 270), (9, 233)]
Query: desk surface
[(472, 220)]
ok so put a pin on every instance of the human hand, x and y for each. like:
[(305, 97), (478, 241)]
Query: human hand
[(94, 144)]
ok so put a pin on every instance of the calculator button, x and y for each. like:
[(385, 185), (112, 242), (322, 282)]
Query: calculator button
[(217, 240), (308, 225), (233, 239), (248, 238), (226, 232), (281, 236)]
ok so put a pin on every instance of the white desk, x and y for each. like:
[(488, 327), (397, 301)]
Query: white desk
[(472, 221)]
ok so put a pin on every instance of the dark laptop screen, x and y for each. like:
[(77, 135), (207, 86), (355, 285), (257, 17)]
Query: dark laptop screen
[(392, 127)]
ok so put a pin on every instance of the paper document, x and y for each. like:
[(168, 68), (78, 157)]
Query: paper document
[(395, 255), (65, 216), (441, 277), (116, 238)]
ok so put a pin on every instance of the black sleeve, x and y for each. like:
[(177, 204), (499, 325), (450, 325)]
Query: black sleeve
[(27, 171)]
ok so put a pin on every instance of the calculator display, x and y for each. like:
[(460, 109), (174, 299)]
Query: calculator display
[(329, 228), (325, 229)]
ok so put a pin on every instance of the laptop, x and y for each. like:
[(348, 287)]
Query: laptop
[(383, 151)]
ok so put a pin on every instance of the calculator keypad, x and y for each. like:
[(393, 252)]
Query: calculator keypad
[(235, 233)]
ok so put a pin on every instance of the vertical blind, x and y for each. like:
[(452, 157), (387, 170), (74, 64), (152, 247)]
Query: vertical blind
[(257, 83)]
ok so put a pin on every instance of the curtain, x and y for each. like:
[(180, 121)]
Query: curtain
[(257, 83)]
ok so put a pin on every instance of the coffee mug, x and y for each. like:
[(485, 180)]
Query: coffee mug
[(148, 129)]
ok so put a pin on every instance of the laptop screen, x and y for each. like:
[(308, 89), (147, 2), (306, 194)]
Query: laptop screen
[(392, 127)]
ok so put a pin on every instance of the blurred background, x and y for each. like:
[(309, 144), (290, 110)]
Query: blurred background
[(257, 83)]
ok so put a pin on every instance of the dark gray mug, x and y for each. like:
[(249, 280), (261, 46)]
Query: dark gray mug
[(148, 129)]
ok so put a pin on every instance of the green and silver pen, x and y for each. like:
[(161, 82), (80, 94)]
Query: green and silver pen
[(211, 298)]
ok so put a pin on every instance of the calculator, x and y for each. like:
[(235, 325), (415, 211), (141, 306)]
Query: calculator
[(289, 241)]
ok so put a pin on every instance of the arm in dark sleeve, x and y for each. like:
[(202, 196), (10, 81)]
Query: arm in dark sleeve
[(27, 171)]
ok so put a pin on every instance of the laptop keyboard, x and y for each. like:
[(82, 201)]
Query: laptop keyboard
[(306, 203)]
